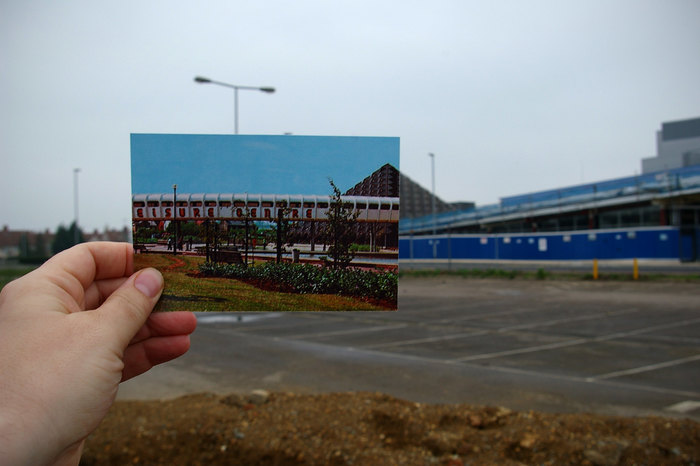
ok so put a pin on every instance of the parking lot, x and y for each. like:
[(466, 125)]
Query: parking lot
[(628, 348)]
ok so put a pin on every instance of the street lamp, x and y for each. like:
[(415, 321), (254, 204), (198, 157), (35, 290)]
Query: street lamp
[(269, 90), (76, 235), (432, 171), (175, 218)]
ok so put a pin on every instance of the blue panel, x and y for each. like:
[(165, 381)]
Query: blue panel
[(661, 243), (687, 246)]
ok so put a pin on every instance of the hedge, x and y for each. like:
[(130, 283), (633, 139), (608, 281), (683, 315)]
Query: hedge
[(307, 278)]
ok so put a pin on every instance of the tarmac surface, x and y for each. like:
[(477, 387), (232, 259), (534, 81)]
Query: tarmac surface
[(621, 348)]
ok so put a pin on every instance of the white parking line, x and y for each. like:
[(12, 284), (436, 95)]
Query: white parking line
[(427, 339), (347, 332), (475, 333), (574, 342), (376, 355), (684, 406), (485, 314), (650, 367), (674, 339), (614, 336), (529, 349), (549, 323)]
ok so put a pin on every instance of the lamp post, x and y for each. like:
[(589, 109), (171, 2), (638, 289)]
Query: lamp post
[(76, 234), (202, 80), (432, 174), (175, 218)]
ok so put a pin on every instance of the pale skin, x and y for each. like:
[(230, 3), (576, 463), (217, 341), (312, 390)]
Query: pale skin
[(70, 332)]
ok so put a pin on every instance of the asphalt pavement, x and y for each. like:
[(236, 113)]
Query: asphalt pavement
[(628, 348)]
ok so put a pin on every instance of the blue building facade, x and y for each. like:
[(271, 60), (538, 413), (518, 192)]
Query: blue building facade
[(642, 243)]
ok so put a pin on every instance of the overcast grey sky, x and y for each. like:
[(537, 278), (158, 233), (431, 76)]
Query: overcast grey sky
[(511, 96)]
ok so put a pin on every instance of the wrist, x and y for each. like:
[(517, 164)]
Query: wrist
[(15, 443), (24, 440)]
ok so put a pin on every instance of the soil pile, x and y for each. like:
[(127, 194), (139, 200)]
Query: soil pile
[(373, 429)]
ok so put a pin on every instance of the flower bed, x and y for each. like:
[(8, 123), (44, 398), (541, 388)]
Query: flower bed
[(307, 278)]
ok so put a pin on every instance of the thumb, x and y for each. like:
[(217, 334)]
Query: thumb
[(126, 310)]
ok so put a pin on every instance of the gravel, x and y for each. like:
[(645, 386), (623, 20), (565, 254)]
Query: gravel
[(264, 428)]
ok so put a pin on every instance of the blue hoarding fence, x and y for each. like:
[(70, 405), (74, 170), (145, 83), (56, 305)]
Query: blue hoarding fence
[(641, 243)]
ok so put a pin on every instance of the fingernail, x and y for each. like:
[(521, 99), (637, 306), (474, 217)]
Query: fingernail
[(149, 282)]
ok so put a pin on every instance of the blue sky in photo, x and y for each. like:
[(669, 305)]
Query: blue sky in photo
[(255, 163)]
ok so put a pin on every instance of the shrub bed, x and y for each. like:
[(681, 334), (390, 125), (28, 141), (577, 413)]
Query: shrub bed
[(307, 278)]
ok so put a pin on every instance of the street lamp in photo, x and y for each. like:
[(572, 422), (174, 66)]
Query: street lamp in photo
[(175, 218), (235, 87)]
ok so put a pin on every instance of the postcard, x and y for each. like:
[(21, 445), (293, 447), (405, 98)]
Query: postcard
[(267, 223)]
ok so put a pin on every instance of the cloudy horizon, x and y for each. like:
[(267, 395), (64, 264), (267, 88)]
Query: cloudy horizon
[(511, 97)]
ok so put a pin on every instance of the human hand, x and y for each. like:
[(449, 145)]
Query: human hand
[(70, 331)]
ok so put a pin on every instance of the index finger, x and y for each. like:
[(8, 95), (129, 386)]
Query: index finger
[(95, 261), (77, 268)]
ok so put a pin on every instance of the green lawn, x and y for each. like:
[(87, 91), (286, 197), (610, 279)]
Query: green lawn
[(10, 273)]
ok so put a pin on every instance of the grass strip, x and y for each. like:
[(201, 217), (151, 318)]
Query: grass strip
[(11, 273)]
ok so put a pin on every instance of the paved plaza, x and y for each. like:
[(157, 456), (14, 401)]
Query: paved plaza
[(628, 348)]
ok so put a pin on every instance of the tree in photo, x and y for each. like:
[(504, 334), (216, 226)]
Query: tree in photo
[(340, 230), (145, 232)]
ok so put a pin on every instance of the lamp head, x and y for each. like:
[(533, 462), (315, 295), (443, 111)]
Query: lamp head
[(201, 80)]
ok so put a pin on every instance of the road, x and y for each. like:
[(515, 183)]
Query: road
[(627, 348)]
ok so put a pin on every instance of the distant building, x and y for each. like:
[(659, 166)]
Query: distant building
[(416, 201), (18, 243), (14, 243), (654, 215), (462, 205), (677, 146), (382, 183), (119, 236)]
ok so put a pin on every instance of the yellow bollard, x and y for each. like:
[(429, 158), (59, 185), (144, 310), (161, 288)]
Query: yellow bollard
[(635, 269), (595, 269)]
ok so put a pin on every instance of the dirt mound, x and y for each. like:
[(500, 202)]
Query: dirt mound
[(371, 429)]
